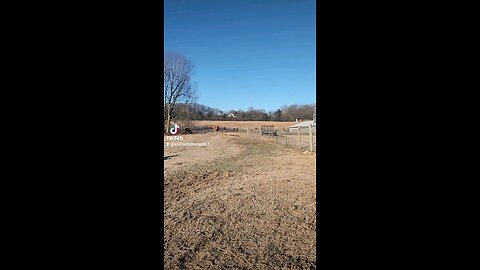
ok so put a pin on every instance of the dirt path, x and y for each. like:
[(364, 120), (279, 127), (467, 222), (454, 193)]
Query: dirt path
[(250, 207)]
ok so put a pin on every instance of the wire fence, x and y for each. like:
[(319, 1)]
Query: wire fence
[(303, 138)]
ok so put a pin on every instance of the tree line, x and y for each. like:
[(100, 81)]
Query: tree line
[(195, 111)]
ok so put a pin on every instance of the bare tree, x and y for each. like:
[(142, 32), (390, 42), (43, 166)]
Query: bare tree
[(177, 84)]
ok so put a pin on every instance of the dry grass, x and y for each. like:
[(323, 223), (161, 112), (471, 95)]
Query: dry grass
[(252, 206), (244, 124)]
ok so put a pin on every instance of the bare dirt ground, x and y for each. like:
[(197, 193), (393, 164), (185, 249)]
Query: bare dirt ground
[(244, 124), (238, 203)]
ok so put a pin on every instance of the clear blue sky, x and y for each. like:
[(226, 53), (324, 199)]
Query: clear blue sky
[(247, 53)]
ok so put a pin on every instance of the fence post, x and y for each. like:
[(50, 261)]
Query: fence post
[(311, 137), (286, 133), (299, 138)]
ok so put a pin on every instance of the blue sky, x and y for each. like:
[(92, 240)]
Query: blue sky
[(247, 53)]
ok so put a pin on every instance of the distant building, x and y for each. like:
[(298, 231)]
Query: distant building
[(231, 115), (303, 125)]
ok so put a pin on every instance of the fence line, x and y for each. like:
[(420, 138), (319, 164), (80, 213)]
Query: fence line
[(286, 137)]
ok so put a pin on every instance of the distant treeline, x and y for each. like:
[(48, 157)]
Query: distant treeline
[(195, 111)]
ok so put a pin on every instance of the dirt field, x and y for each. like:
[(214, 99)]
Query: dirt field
[(238, 203), (244, 124)]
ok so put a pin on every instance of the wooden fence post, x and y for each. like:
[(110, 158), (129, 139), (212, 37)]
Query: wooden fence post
[(299, 138), (311, 137)]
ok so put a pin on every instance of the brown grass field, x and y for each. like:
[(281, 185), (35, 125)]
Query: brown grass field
[(238, 203), (244, 124)]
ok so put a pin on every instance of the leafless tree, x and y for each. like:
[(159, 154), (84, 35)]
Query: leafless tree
[(177, 84)]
